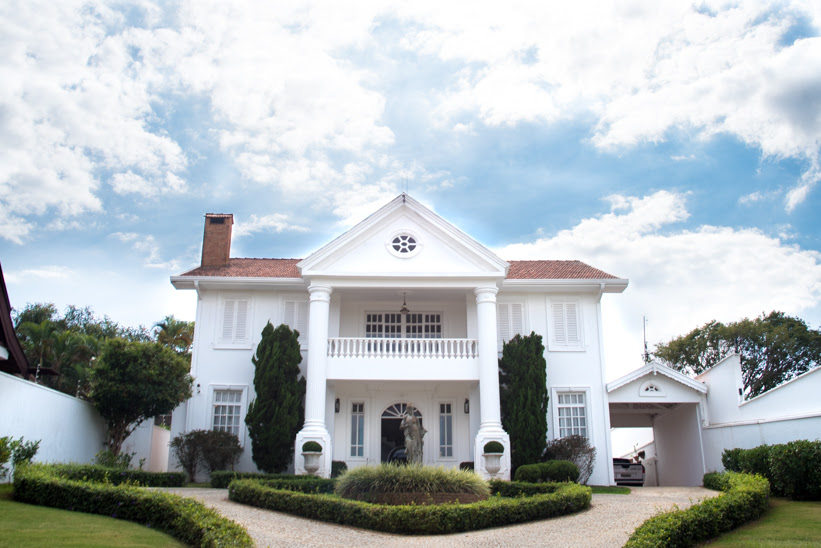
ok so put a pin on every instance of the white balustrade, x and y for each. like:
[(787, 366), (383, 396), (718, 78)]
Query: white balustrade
[(402, 348)]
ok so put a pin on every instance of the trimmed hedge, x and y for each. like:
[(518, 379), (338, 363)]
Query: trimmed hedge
[(550, 471), (414, 520), (793, 469), (522, 489), (116, 476), (187, 520), (222, 478), (745, 498)]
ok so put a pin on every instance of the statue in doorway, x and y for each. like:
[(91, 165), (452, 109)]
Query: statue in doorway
[(414, 432)]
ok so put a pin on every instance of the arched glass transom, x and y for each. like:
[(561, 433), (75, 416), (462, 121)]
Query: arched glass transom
[(397, 411)]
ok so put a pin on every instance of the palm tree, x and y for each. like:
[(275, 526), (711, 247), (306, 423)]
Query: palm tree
[(175, 334), (38, 342)]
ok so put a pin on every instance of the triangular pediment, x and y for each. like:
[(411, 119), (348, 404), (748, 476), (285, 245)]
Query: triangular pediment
[(655, 382), (404, 239)]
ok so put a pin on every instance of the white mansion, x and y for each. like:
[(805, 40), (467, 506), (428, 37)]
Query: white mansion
[(403, 308)]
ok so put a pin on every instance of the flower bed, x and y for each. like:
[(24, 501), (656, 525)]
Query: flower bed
[(414, 519)]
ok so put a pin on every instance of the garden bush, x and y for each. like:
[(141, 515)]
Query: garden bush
[(187, 520), (338, 467), (550, 471), (5, 453), (311, 446), (367, 482), (108, 459), (497, 511), (215, 449), (117, 476), (519, 489), (577, 450), (222, 478), (745, 498), (793, 469)]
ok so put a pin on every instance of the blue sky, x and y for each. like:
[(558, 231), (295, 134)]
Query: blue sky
[(676, 144)]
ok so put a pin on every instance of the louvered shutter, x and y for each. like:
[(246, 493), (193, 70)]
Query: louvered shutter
[(559, 328), (296, 317), (572, 322), (228, 320), (516, 320), (242, 321), (503, 321)]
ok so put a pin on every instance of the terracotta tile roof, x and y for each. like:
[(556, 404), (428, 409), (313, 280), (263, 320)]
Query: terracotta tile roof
[(250, 268), (555, 270), (286, 268)]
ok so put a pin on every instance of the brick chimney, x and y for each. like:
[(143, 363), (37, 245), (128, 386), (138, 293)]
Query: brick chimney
[(216, 240)]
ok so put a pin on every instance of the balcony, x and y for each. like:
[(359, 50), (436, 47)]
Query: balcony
[(402, 359)]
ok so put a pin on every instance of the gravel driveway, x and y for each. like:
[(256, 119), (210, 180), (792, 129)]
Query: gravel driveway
[(608, 523)]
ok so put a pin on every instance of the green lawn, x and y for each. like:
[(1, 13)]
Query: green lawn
[(786, 524), (610, 490), (25, 525)]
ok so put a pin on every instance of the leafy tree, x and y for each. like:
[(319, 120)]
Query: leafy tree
[(774, 348), (523, 397), (135, 381), (277, 413), (175, 334)]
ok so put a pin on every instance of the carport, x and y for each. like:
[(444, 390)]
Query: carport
[(672, 404)]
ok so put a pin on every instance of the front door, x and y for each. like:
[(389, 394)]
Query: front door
[(392, 438)]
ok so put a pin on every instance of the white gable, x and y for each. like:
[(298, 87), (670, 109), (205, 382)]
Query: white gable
[(428, 246), (655, 383)]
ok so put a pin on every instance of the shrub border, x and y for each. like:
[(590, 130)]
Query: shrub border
[(745, 498), (414, 520), (116, 476), (187, 520)]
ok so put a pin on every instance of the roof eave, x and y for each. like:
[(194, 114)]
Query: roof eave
[(605, 285), (191, 282)]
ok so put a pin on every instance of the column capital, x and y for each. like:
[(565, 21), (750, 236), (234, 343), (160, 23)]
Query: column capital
[(485, 294), (320, 292)]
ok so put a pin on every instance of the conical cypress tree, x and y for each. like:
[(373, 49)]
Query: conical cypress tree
[(277, 413), (523, 397)]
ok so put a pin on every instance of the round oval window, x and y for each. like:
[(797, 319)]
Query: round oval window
[(404, 244)]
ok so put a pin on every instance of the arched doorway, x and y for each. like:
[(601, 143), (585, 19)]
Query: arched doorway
[(392, 438)]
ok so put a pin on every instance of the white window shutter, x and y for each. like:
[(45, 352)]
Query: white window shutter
[(572, 317), (228, 320), (302, 322), (517, 322), (503, 321), (242, 321), (559, 330)]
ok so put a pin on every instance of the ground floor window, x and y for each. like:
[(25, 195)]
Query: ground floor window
[(445, 430), (572, 414), (357, 429), (227, 410)]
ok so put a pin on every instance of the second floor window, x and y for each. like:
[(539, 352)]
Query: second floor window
[(417, 325)]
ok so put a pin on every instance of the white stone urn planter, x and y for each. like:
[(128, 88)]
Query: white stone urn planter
[(311, 461), (493, 463)]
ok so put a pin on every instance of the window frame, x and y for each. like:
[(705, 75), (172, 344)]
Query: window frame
[(242, 404), (450, 430), (363, 430), (400, 331), (570, 390)]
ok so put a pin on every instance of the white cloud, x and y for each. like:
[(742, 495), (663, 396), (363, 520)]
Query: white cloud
[(276, 222), (680, 278), (50, 272), (146, 246)]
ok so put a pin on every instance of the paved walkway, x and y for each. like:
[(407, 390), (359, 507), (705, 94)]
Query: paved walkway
[(607, 524)]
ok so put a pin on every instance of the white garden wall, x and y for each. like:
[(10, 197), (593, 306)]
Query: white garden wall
[(69, 429)]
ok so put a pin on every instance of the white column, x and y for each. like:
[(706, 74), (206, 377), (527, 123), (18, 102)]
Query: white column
[(314, 428), (488, 360), (490, 427), (317, 359)]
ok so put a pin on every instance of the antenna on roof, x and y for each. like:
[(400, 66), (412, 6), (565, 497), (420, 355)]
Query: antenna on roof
[(646, 355)]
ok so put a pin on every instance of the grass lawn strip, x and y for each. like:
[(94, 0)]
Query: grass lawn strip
[(30, 526), (787, 523)]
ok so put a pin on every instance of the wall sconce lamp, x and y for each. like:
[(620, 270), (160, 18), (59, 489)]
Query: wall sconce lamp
[(198, 388), (336, 406), (467, 406)]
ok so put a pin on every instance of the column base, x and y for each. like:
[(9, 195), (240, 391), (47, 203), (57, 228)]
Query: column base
[(320, 435), (486, 434)]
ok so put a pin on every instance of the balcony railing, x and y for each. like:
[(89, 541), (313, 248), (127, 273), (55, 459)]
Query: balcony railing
[(402, 348)]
